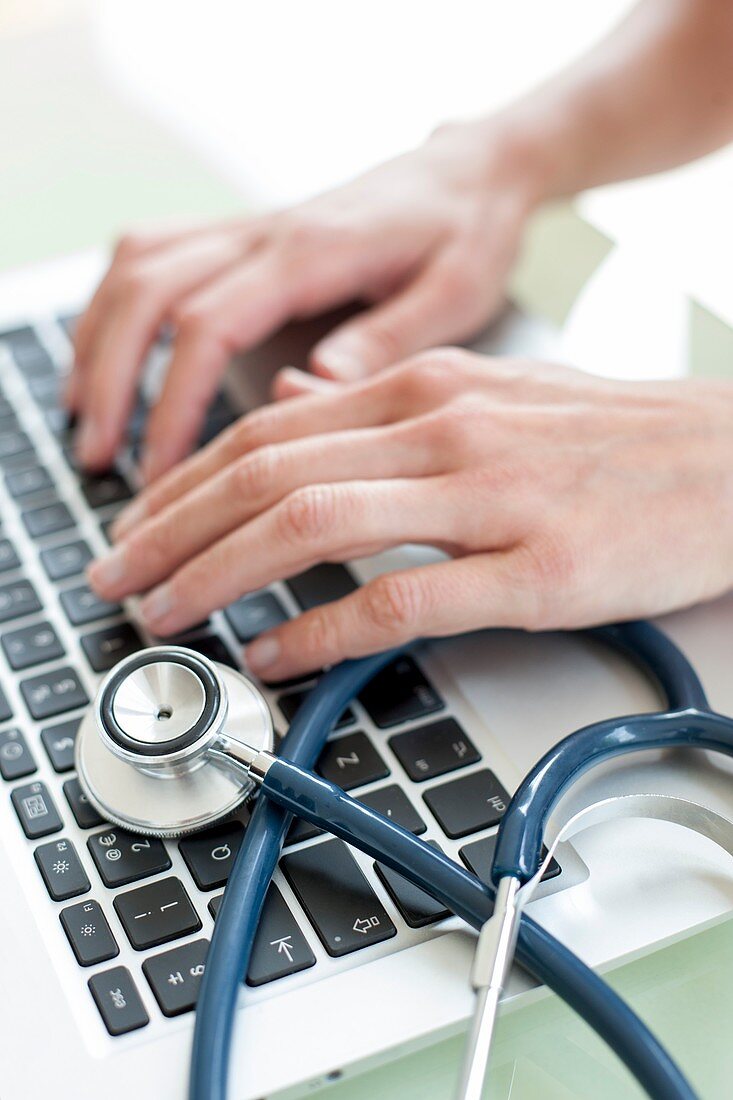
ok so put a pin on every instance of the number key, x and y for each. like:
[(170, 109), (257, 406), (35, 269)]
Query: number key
[(123, 857), (31, 645), (53, 692)]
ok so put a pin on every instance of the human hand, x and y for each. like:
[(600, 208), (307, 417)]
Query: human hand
[(427, 239), (564, 500)]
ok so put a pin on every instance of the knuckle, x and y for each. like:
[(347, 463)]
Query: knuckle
[(152, 549), (384, 339), (394, 604), (191, 320), (133, 283), (551, 568), (256, 429), (308, 515), (255, 474), (129, 245), (458, 281), (320, 636)]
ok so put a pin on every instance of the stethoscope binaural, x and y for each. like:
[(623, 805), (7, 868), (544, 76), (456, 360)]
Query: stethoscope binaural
[(175, 742)]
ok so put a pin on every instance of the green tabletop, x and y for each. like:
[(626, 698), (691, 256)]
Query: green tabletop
[(80, 165)]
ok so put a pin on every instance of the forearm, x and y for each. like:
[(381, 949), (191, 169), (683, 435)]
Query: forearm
[(656, 93)]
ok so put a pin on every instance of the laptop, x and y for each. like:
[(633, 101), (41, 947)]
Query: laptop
[(103, 934)]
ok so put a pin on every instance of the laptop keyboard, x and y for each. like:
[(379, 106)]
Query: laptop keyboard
[(396, 748)]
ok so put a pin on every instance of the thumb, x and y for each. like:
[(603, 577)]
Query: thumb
[(444, 303)]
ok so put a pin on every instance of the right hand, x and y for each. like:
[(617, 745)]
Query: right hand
[(428, 239)]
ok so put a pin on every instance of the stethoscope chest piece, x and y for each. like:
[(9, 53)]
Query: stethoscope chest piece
[(144, 750)]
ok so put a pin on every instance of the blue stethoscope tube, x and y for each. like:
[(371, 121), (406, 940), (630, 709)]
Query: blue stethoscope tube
[(318, 800)]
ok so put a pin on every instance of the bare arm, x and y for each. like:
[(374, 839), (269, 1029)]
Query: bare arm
[(656, 93)]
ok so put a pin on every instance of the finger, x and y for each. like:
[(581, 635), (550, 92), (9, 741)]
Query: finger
[(143, 299), (130, 247), (445, 302), (431, 601), (248, 487), (291, 382), (235, 312), (317, 523), (384, 399)]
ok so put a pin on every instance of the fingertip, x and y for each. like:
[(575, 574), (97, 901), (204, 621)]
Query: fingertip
[(291, 382), (339, 364)]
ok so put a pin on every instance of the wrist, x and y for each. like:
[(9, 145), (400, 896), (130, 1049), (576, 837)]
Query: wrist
[(503, 152)]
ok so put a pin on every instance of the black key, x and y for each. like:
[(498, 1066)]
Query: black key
[(392, 802), (46, 390), (67, 560), (104, 489), (6, 711), (36, 810), (16, 599), (213, 648), (29, 354), (47, 520), (8, 557), (16, 759), (61, 870), (8, 420), (58, 741), (339, 902), (118, 1000), (89, 933), (399, 693), (214, 905), (210, 855), (85, 814), (53, 692), (105, 527), (22, 483), (321, 584), (290, 704), (280, 948), (31, 645), (434, 749), (157, 913), (416, 907), (351, 761), (123, 857), (82, 605), (466, 805), (251, 615), (61, 423), (13, 444), (479, 858), (301, 830), (175, 976), (104, 648)]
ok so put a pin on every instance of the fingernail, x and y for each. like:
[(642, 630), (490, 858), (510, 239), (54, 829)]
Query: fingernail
[(262, 653), (87, 442), (107, 572), (156, 605), (129, 517), (339, 364)]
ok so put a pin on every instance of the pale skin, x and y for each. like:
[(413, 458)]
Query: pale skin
[(560, 500)]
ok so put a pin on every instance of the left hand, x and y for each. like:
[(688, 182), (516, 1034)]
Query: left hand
[(563, 500)]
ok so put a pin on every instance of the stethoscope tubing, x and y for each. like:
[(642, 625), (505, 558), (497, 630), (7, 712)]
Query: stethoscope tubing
[(518, 851), (236, 925)]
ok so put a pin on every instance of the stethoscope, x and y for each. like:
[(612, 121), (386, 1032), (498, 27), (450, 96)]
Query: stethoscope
[(175, 742)]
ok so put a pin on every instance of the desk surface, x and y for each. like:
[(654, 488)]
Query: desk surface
[(79, 165)]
